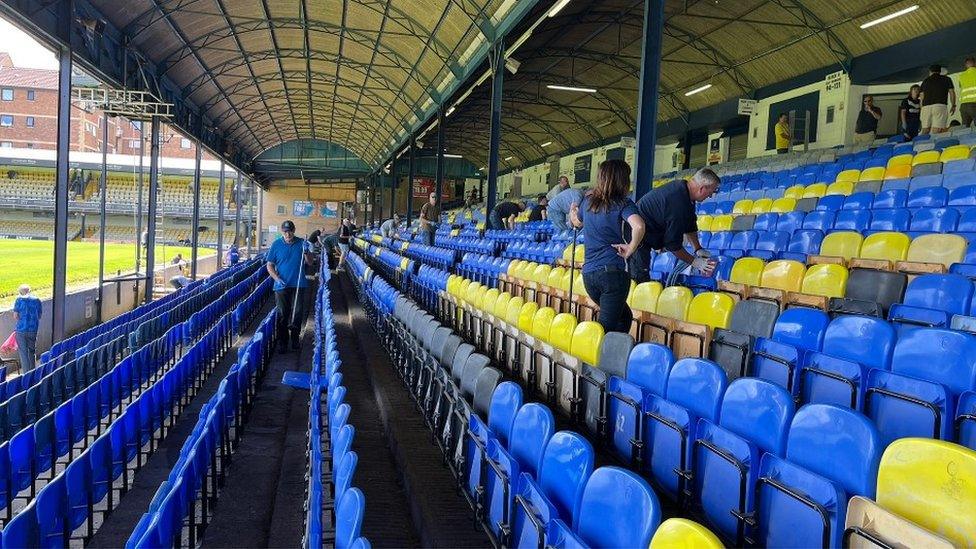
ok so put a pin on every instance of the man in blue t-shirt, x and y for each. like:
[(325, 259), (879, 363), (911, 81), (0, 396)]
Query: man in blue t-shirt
[(285, 260), (27, 312), (560, 205)]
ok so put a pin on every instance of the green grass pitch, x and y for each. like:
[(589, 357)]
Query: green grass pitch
[(31, 262)]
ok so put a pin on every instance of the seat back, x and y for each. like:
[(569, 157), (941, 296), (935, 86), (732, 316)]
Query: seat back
[(783, 274), (747, 270), (951, 293), (944, 249), (608, 520), (758, 411), (485, 384), (505, 404), (649, 366), (527, 316), (731, 348), (713, 309), (542, 323), (825, 280), (845, 244), (464, 351), (914, 481), (674, 302), (561, 332), (566, 466), (645, 296), (888, 246), (586, 343), (697, 385), (868, 340), (534, 425)]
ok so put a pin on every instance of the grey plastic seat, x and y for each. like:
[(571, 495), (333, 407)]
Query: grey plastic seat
[(464, 351), (929, 168), (451, 344), (806, 204), (731, 348), (488, 379), (868, 186), (469, 377), (614, 355), (743, 222), (869, 292)]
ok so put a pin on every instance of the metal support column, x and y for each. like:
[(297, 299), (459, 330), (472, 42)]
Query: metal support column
[(411, 166), (686, 151), (393, 185), (495, 123), (142, 154), (650, 79), (61, 181), (220, 216), (195, 235), (251, 195), (153, 203), (238, 192), (439, 167), (102, 185), (259, 233)]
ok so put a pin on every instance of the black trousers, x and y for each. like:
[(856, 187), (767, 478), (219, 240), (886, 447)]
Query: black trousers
[(609, 288), (290, 321)]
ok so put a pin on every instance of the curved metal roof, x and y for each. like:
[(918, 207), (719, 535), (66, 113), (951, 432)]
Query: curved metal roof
[(737, 46), (352, 72)]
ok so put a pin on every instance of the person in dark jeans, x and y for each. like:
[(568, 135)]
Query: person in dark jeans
[(602, 215), (429, 215), (285, 265)]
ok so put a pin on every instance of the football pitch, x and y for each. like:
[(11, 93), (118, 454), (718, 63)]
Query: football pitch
[(31, 262)]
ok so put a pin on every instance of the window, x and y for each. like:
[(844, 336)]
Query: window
[(134, 144), (281, 210), (7, 94), (6, 120), (30, 95), (30, 121), (6, 145), (30, 145), (185, 143)]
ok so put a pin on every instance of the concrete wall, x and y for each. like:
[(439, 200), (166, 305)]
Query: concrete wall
[(279, 205), (81, 306)]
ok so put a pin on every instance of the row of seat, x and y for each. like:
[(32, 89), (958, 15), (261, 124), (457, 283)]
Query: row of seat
[(204, 455), (532, 486), (335, 507), (807, 435), (80, 449)]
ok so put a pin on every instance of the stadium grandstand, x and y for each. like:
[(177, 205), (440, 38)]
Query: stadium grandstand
[(488, 273)]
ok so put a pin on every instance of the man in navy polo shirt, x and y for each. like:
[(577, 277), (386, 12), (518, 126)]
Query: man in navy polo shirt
[(27, 312), (285, 260)]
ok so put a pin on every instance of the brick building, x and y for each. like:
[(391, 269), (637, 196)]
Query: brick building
[(28, 118)]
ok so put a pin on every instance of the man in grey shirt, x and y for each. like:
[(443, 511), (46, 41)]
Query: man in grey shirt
[(389, 227), (561, 186), (560, 205)]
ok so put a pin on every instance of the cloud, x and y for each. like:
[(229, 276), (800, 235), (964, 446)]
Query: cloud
[(24, 49)]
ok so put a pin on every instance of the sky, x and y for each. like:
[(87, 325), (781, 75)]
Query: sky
[(26, 51)]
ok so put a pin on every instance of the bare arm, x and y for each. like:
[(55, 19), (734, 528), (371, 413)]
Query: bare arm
[(273, 271), (574, 218), (876, 113), (952, 99), (692, 238)]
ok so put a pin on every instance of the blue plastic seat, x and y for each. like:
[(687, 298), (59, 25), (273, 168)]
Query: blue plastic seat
[(741, 241), (694, 390), (896, 184), (802, 244), (893, 198), (648, 368), (961, 178), (769, 244), (566, 466), (819, 220), (966, 420), (930, 367), (852, 346), (832, 454), (925, 181), (534, 425), (831, 202), (928, 197), (963, 196), (608, 520), (852, 220), (349, 518), (790, 221), (859, 201), (52, 509), (754, 419), (766, 222), (796, 332), (931, 300), (22, 530), (890, 220), (934, 220), (505, 403)]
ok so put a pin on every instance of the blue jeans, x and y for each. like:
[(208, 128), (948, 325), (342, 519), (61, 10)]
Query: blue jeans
[(429, 234), (609, 288), (26, 342)]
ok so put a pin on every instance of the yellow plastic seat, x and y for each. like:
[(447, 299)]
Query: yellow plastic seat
[(795, 192), (514, 266), (679, 533), (488, 300), (542, 323), (955, 152), (816, 190), (555, 277), (876, 173), (707, 311), (783, 274), (580, 254), (514, 310), (843, 245), (721, 223), (742, 206), (926, 157), (899, 160), (844, 188), (526, 316), (930, 482), (880, 250), (783, 205), (747, 270), (645, 296), (587, 337), (673, 302), (848, 175), (561, 331), (898, 171), (826, 280), (704, 222), (501, 305), (759, 206), (934, 253)]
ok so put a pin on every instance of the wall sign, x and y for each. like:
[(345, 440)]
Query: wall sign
[(582, 166)]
